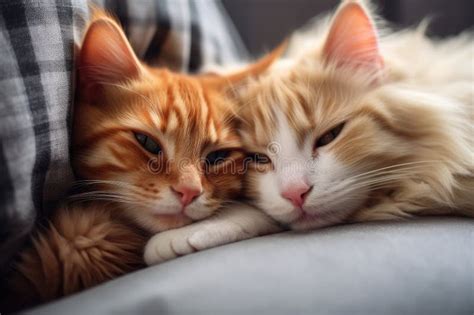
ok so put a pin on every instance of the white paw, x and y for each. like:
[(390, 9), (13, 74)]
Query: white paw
[(213, 236), (167, 245)]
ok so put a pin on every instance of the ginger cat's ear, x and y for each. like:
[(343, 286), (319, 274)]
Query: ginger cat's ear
[(105, 56), (252, 71), (353, 39), (259, 67)]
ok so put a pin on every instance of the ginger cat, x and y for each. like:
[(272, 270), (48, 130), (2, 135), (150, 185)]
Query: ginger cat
[(350, 128), (152, 150)]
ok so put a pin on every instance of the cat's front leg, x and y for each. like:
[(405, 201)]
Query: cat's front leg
[(238, 222)]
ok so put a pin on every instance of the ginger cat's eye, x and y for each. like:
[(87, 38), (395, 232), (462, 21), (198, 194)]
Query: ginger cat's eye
[(217, 157), (147, 143), (260, 158), (329, 136)]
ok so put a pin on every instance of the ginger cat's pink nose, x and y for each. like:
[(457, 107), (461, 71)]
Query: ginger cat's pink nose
[(186, 193), (296, 193)]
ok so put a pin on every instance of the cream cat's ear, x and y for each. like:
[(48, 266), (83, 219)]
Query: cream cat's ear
[(105, 56), (353, 40)]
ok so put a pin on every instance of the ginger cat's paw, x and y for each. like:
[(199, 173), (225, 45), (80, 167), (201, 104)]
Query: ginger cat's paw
[(186, 240), (237, 223), (168, 245)]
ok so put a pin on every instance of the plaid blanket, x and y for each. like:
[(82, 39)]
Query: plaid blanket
[(36, 89)]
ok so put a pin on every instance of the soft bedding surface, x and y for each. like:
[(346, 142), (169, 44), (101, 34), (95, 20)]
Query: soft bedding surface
[(417, 267)]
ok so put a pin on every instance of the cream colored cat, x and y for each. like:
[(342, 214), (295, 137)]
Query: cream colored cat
[(351, 128)]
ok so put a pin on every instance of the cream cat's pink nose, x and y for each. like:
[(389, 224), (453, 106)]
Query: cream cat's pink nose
[(186, 193), (296, 194)]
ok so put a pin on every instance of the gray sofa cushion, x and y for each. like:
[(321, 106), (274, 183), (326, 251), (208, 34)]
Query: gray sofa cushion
[(417, 267)]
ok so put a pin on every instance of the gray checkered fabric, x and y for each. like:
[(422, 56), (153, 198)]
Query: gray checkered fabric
[(36, 87)]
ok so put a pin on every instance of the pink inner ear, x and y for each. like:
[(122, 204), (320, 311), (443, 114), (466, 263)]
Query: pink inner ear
[(352, 39), (106, 56)]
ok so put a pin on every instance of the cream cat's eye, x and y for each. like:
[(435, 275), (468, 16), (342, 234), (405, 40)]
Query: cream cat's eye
[(329, 136), (148, 143)]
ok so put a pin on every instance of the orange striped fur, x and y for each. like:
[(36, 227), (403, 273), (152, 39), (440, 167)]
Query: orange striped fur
[(127, 192)]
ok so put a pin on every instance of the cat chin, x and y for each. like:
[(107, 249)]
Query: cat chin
[(199, 211), (193, 212), (300, 220), (305, 220), (155, 219), (316, 221), (172, 220), (312, 217), (155, 223)]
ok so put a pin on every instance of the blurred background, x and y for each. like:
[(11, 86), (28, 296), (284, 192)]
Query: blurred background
[(264, 23)]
